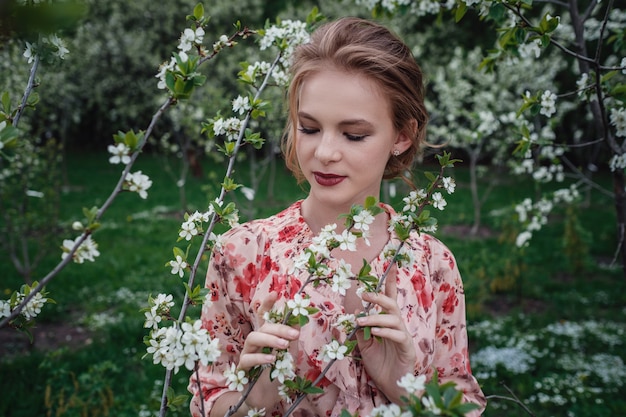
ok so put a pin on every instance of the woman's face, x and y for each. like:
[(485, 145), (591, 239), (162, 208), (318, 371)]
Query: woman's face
[(345, 137)]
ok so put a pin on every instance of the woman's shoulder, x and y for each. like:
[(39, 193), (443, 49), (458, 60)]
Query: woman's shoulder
[(275, 225)]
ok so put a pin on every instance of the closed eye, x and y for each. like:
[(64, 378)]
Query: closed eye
[(354, 138), (308, 131)]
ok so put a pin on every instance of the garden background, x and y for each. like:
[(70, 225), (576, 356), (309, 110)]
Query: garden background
[(546, 321)]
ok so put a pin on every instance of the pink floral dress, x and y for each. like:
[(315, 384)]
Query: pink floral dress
[(254, 259)]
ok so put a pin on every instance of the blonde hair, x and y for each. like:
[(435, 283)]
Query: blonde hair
[(363, 47)]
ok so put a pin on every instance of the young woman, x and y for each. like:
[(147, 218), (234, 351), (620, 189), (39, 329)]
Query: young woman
[(356, 116)]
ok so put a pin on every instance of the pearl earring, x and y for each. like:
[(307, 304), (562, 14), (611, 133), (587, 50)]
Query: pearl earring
[(396, 152)]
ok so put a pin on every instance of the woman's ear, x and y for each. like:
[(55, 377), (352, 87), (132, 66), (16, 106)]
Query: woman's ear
[(404, 140)]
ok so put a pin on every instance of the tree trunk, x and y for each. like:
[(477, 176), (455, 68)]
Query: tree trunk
[(475, 197), (620, 211)]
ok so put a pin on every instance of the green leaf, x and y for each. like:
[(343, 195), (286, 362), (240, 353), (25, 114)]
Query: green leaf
[(229, 184), (606, 77), (465, 408), (170, 81), (303, 320), (6, 102), (497, 11), (313, 390), (33, 99), (430, 176), (460, 11), (198, 11), (367, 333), (619, 92), (178, 252), (350, 344)]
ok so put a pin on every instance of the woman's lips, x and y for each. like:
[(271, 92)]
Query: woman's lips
[(327, 180)]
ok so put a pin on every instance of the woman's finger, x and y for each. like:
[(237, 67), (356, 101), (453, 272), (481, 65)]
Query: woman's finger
[(265, 306), (391, 287)]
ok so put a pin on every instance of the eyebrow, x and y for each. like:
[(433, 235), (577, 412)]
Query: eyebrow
[(343, 123)]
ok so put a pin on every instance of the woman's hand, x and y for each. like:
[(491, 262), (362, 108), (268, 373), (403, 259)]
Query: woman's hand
[(275, 336), (388, 359)]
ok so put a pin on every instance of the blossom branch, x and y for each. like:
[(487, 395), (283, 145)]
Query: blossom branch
[(210, 228), (29, 89)]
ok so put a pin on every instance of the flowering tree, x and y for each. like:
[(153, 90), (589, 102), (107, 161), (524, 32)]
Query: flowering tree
[(589, 39)]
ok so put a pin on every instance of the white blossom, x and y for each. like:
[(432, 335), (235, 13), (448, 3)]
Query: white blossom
[(618, 119), (345, 322), (87, 251), (164, 301), (120, 153), (413, 384), (299, 305), (347, 241), (236, 378), (190, 37), (363, 219), (153, 318), (5, 308), (413, 200), (284, 367), (331, 351), (529, 49), (30, 53), (60, 49), (548, 103), (139, 183), (449, 184), (241, 105), (438, 201), (188, 230), (389, 410), (341, 278), (33, 306), (178, 266), (429, 404), (523, 239)]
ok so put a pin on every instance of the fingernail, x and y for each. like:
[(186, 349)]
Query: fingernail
[(293, 333)]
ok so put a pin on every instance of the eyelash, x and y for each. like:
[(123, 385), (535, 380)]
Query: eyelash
[(353, 138)]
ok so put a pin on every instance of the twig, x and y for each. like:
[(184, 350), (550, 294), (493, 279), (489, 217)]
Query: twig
[(29, 89)]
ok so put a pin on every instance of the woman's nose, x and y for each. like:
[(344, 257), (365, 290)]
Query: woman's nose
[(327, 150)]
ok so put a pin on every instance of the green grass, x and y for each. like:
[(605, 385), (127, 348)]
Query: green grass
[(533, 301)]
